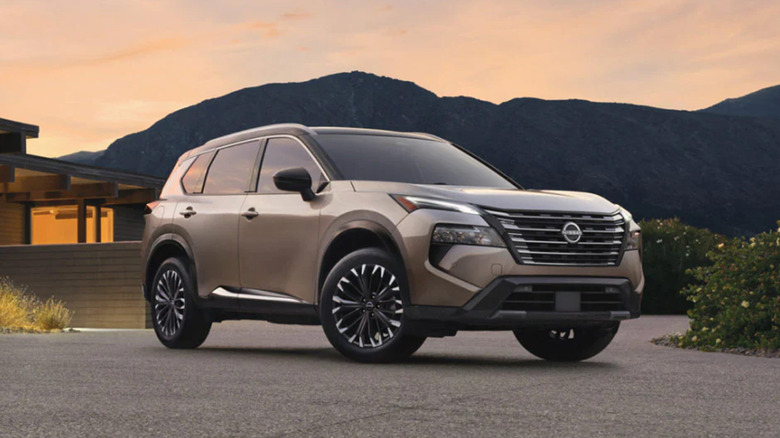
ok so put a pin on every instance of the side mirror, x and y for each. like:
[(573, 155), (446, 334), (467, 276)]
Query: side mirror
[(296, 179)]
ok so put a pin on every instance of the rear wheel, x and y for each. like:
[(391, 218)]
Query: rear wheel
[(178, 322), (567, 344), (361, 308)]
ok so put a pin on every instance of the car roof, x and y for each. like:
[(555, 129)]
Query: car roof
[(297, 130)]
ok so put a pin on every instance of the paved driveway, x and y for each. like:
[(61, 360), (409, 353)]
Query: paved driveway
[(258, 379)]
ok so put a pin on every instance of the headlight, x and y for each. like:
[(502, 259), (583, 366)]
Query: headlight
[(412, 203), (634, 237), (627, 217), (634, 240), (466, 235)]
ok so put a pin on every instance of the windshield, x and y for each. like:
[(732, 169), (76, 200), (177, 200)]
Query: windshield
[(407, 160)]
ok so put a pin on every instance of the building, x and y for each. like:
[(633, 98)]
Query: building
[(72, 231)]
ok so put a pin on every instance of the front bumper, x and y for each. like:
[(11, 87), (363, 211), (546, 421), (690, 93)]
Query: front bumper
[(509, 303), (465, 270)]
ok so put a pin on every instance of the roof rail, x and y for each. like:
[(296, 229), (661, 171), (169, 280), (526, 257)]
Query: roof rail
[(289, 125), (425, 134)]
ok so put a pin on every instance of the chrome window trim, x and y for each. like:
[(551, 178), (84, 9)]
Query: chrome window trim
[(238, 143), (306, 148)]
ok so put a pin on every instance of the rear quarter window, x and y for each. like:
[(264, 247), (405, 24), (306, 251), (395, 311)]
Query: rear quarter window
[(195, 176), (172, 187)]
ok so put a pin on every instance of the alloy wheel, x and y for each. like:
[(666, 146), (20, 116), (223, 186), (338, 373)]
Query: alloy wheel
[(169, 302), (367, 306)]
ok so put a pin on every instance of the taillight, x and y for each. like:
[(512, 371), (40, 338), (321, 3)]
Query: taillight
[(150, 207)]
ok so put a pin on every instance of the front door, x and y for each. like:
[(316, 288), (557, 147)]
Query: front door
[(278, 232)]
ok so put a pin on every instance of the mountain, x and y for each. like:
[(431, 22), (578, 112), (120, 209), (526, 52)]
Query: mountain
[(711, 170), (82, 157), (762, 103)]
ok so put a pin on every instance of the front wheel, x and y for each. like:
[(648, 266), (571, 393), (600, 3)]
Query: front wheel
[(178, 322), (568, 344), (361, 308)]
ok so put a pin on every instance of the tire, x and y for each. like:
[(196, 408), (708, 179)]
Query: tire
[(181, 332), (361, 308), (567, 345)]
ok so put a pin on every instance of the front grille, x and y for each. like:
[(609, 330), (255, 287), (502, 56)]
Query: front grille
[(564, 297), (538, 238)]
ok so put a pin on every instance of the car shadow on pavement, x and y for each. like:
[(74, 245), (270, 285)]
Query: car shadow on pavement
[(506, 362), (420, 359)]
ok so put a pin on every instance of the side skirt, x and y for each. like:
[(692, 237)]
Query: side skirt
[(233, 304)]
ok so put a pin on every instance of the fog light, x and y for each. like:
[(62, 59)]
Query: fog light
[(467, 235)]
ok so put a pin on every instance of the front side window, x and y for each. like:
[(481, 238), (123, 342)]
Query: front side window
[(408, 160), (231, 171), (284, 153)]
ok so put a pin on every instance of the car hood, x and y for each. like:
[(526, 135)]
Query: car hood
[(501, 199)]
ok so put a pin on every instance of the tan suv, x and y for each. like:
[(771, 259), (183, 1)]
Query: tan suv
[(384, 238)]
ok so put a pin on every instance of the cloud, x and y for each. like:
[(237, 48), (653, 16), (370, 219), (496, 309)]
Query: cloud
[(91, 71), (140, 49), (267, 29), (296, 15)]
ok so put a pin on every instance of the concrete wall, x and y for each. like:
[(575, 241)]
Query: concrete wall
[(100, 283)]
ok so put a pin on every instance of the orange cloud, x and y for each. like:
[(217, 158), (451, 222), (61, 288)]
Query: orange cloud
[(89, 72), (268, 29), (296, 15)]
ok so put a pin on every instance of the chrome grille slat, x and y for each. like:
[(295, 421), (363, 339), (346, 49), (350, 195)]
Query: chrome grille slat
[(525, 251), (557, 216), (555, 242), (537, 239)]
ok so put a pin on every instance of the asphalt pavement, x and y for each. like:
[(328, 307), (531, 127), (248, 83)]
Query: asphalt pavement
[(260, 379)]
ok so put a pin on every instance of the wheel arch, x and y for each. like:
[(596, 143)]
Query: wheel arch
[(356, 235), (165, 247)]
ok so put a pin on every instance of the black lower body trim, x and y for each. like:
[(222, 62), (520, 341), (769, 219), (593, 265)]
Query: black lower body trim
[(489, 309)]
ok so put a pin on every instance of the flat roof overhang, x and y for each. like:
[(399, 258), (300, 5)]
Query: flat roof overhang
[(47, 181), (14, 135)]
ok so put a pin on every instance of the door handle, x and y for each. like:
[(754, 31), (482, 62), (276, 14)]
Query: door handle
[(250, 214), (188, 212)]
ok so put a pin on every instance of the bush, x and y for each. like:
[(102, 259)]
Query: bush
[(736, 304), (16, 306), (670, 248), (52, 315), (20, 310)]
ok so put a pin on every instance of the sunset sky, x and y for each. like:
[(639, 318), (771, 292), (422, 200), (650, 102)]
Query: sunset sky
[(91, 71)]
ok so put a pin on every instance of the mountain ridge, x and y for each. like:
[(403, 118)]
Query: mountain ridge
[(710, 169), (762, 103)]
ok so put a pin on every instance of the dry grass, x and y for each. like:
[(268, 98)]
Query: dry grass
[(16, 306), (21, 311), (52, 315)]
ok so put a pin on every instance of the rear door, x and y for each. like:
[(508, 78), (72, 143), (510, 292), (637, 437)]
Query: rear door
[(209, 214), (278, 242)]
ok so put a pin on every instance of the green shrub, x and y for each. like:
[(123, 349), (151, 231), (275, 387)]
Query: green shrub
[(670, 248), (736, 304)]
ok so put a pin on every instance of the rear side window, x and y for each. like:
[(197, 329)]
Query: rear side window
[(193, 179), (232, 169), (284, 153)]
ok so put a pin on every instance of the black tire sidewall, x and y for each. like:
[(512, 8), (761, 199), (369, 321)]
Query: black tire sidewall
[(191, 333), (587, 342), (401, 345)]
